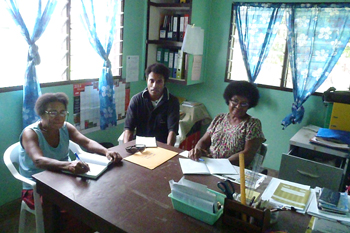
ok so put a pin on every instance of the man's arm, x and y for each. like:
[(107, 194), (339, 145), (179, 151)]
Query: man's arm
[(171, 138), (128, 135)]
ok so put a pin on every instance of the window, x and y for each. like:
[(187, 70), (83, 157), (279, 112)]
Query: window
[(65, 54), (275, 71)]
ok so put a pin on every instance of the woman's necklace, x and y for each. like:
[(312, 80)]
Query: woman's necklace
[(42, 127)]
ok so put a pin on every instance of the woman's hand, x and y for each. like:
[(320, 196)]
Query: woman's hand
[(196, 153), (78, 167), (113, 156)]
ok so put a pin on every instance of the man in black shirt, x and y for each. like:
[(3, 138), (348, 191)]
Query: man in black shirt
[(154, 112)]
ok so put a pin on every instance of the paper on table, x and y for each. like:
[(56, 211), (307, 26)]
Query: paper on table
[(184, 153), (208, 166), (148, 141), (272, 187), (151, 157)]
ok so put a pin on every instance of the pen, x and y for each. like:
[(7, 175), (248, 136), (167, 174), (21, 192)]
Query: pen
[(252, 201), (201, 160), (76, 155)]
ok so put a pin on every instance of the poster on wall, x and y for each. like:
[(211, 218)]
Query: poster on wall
[(122, 98), (86, 110)]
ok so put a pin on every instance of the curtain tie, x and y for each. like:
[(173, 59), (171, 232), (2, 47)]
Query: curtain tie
[(33, 54)]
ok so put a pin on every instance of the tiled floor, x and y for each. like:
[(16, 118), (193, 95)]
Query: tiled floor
[(9, 218)]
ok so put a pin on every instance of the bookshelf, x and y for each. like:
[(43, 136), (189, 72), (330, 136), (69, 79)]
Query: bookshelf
[(168, 13)]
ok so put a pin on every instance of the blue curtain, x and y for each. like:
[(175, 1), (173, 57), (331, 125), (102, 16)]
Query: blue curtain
[(31, 87), (257, 25), (102, 40), (317, 36)]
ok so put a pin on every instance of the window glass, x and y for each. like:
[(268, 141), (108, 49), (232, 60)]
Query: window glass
[(276, 70), (55, 46)]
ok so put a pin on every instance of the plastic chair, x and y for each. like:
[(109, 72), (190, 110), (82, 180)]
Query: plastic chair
[(11, 157)]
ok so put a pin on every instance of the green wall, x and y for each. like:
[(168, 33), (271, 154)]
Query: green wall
[(212, 15)]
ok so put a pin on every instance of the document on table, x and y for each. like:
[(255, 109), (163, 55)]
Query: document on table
[(151, 157), (207, 166), (288, 194), (148, 141)]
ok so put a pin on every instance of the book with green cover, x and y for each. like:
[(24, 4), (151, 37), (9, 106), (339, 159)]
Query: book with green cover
[(290, 195)]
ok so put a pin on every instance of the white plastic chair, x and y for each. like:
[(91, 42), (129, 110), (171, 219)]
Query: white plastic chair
[(11, 157)]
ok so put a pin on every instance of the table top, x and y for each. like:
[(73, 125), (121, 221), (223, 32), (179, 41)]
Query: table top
[(131, 198)]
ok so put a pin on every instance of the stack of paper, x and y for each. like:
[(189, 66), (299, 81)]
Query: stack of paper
[(288, 194), (194, 194), (148, 141)]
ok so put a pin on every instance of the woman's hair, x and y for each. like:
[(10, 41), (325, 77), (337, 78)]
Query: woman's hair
[(45, 99), (242, 88), (158, 68)]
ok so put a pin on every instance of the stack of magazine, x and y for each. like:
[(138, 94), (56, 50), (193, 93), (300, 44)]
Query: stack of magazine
[(333, 201)]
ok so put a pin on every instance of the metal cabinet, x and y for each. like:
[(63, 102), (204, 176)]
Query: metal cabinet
[(312, 164)]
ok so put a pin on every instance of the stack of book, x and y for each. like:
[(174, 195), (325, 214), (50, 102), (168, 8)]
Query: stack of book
[(333, 201), (336, 139)]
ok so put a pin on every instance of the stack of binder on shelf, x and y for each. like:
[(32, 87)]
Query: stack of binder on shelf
[(327, 220), (196, 200)]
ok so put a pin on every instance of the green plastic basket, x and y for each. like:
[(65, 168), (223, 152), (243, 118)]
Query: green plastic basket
[(198, 213)]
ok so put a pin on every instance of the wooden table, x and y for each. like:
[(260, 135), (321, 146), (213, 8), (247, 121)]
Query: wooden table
[(131, 198)]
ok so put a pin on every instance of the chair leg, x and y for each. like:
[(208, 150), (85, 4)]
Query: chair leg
[(22, 219), (39, 220)]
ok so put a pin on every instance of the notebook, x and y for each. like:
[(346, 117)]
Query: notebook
[(97, 163)]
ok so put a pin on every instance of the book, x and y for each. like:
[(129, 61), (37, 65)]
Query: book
[(294, 196), (313, 210), (327, 143), (207, 166), (333, 135), (337, 202), (290, 195), (97, 164), (329, 197)]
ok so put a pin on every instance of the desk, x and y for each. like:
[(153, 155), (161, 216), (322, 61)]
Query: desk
[(131, 198)]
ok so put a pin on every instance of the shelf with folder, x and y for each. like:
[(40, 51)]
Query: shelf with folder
[(166, 24)]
